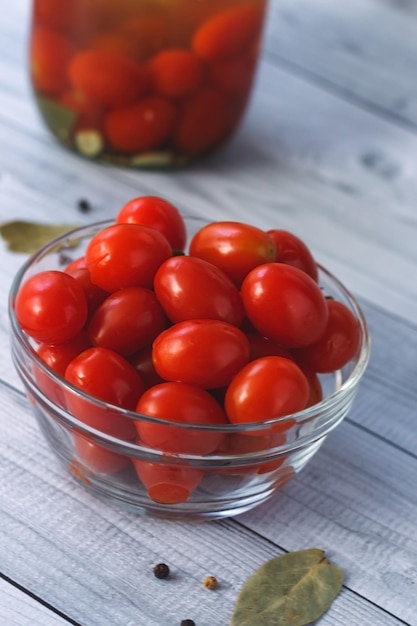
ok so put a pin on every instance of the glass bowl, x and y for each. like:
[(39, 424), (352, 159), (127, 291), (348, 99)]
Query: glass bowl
[(250, 464)]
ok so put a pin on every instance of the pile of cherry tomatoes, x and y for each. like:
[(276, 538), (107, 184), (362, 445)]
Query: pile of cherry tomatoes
[(233, 331), (136, 77)]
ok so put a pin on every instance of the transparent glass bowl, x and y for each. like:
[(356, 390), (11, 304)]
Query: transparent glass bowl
[(252, 462)]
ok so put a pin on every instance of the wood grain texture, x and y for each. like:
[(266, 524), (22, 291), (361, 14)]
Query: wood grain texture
[(364, 51), (342, 177), (96, 562), (20, 608), (349, 501), (17, 608), (327, 150)]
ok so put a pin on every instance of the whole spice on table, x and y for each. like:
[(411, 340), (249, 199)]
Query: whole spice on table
[(161, 570), (210, 582), (84, 206), (187, 622)]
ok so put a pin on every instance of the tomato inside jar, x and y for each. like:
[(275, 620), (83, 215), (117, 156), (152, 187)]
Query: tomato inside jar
[(143, 82)]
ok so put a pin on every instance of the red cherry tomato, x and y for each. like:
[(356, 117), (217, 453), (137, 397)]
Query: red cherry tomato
[(240, 444), (204, 121), (167, 484), (234, 247), (206, 353), (98, 458), (234, 76), (118, 43), (107, 79), (176, 73), (156, 213), (292, 250), (264, 389), (142, 126), (187, 404), (285, 304), (94, 294), (261, 346), (315, 389), (50, 53), (57, 14), (51, 307), (127, 321), (150, 33), (142, 361), (337, 345), (126, 255), (76, 264), (107, 376), (175, 287), (57, 357), (229, 33)]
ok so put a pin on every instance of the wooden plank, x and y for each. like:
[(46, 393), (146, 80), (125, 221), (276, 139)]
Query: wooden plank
[(357, 499), (352, 170), (346, 181), (387, 399), (18, 608), (96, 562), (339, 503), (326, 192), (363, 50)]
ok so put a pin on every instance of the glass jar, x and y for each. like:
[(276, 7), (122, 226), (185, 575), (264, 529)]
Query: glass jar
[(144, 82)]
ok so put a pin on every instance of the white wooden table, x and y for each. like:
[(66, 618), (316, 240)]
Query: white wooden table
[(329, 150)]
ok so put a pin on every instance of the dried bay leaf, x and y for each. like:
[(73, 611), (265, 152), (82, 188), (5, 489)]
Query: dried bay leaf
[(27, 237), (293, 589), (60, 119)]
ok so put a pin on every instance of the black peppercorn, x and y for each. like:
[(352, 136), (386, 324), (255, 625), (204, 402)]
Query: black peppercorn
[(161, 570), (64, 258), (187, 622), (84, 206)]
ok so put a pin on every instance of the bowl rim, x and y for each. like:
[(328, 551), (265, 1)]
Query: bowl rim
[(324, 406)]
